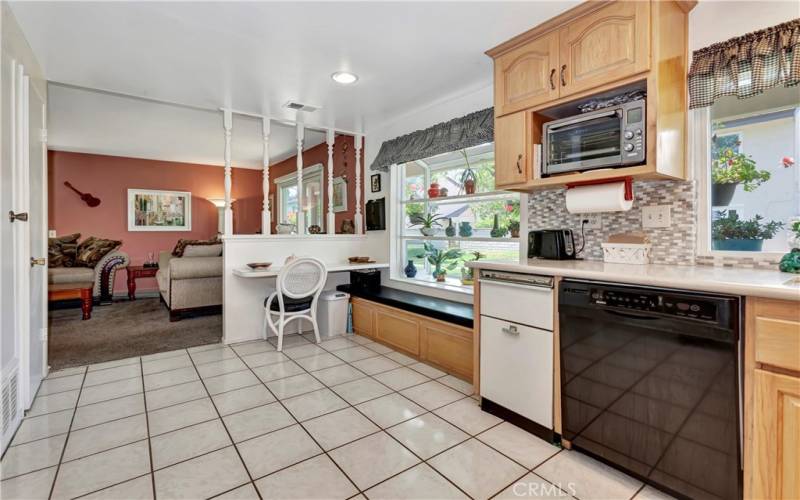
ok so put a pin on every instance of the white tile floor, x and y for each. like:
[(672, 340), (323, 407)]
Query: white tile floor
[(347, 418)]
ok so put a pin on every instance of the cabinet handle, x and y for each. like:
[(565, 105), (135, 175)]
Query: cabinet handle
[(511, 330), (563, 78), (552, 75), (519, 159)]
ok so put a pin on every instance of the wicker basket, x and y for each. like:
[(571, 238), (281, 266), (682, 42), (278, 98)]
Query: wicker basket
[(626, 253)]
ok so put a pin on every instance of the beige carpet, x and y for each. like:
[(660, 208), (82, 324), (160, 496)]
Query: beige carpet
[(122, 330)]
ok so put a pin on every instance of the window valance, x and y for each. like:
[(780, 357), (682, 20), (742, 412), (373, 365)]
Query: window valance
[(747, 65), (470, 130)]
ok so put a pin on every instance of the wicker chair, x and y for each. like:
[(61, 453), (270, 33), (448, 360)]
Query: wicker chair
[(298, 287)]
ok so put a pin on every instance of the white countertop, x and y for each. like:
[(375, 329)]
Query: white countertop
[(246, 272), (731, 280)]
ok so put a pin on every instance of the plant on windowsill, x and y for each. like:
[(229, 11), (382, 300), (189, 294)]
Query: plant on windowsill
[(467, 273), (442, 260), (730, 170), (790, 263), (513, 228), (728, 232), (427, 223)]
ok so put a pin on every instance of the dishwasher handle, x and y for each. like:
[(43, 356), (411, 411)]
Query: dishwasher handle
[(532, 287), (510, 330)]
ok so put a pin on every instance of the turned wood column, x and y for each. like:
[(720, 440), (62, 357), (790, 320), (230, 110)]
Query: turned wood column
[(266, 215), (227, 123), (359, 223), (331, 216), (301, 222)]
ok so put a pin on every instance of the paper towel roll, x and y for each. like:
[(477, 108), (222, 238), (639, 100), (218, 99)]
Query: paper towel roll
[(598, 198)]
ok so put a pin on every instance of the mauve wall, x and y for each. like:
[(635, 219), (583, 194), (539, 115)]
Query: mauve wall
[(110, 177), (319, 154)]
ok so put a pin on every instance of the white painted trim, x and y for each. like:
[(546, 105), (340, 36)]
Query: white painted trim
[(466, 290), (266, 220), (272, 237), (307, 172), (359, 223), (227, 125), (700, 159), (301, 216), (331, 219)]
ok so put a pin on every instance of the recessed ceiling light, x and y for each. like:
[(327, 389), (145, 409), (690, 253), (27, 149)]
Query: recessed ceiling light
[(344, 77)]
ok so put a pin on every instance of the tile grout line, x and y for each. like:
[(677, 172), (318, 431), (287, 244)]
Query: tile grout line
[(297, 422), (66, 440), (147, 424), (225, 426)]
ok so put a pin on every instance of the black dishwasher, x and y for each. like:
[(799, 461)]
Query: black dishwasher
[(650, 384)]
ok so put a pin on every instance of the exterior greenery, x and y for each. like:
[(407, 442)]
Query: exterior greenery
[(728, 226), (737, 168)]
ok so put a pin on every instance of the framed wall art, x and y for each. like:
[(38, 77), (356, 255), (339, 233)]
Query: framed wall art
[(155, 210)]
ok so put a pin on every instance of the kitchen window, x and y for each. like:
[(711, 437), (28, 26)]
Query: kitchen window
[(750, 177), (467, 218), (312, 198)]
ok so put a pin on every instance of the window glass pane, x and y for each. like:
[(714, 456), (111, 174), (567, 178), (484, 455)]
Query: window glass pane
[(414, 182), (450, 170), (755, 181), (289, 204)]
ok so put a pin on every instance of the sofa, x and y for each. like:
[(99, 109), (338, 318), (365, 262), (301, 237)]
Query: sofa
[(64, 267), (192, 282)]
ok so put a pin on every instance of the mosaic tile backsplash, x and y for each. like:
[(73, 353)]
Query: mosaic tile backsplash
[(676, 244)]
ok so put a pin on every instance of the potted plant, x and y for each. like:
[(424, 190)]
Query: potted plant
[(731, 169), (497, 231), (790, 263), (728, 232), (427, 223), (442, 260), (468, 178), (467, 273), (513, 228)]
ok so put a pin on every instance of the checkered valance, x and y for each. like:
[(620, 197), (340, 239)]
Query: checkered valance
[(460, 133), (747, 65)]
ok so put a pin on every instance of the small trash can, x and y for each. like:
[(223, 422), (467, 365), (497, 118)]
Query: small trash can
[(332, 313)]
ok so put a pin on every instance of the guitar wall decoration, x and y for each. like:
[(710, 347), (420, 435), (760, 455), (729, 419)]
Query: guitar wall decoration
[(86, 197)]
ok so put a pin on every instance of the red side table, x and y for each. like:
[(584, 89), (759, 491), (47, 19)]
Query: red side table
[(138, 272)]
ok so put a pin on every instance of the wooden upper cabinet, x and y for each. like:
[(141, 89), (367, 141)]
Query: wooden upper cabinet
[(605, 45), (527, 76), (511, 150)]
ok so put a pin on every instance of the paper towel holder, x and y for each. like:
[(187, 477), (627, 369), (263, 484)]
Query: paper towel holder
[(627, 180)]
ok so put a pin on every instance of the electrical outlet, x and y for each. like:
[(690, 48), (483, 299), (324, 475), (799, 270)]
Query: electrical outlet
[(595, 221), (656, 216), (51, 233)]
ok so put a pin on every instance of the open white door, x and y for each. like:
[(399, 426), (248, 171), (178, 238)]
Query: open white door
[(37, 232), (24, 245)]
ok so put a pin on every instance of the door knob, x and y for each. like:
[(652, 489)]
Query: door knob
[(22, 216), (38, 262)]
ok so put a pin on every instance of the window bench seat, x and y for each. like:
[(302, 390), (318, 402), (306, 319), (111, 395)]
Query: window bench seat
[(433, 330)]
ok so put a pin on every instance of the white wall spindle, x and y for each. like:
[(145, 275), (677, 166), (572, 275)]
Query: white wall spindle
[(359, 223), (301, 223), (266, 216), (331, 216), (227, 123)]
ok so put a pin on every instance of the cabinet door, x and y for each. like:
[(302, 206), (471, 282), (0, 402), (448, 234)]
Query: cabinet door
[(603, 46), (448, 346), (362, 318), (527, 76), (776, 436), (397, 329), (511, 150)]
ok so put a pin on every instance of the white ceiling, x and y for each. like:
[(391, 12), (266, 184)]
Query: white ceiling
[(255, 56), (101, 123)]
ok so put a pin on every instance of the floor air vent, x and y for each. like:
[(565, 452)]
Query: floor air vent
[(9, 402)]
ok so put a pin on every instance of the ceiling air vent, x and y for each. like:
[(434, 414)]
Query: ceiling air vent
[(299, 106)]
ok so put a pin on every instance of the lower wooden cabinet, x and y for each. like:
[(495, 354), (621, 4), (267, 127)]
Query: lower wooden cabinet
[(772, 399), (776, 436), (439, 343)]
